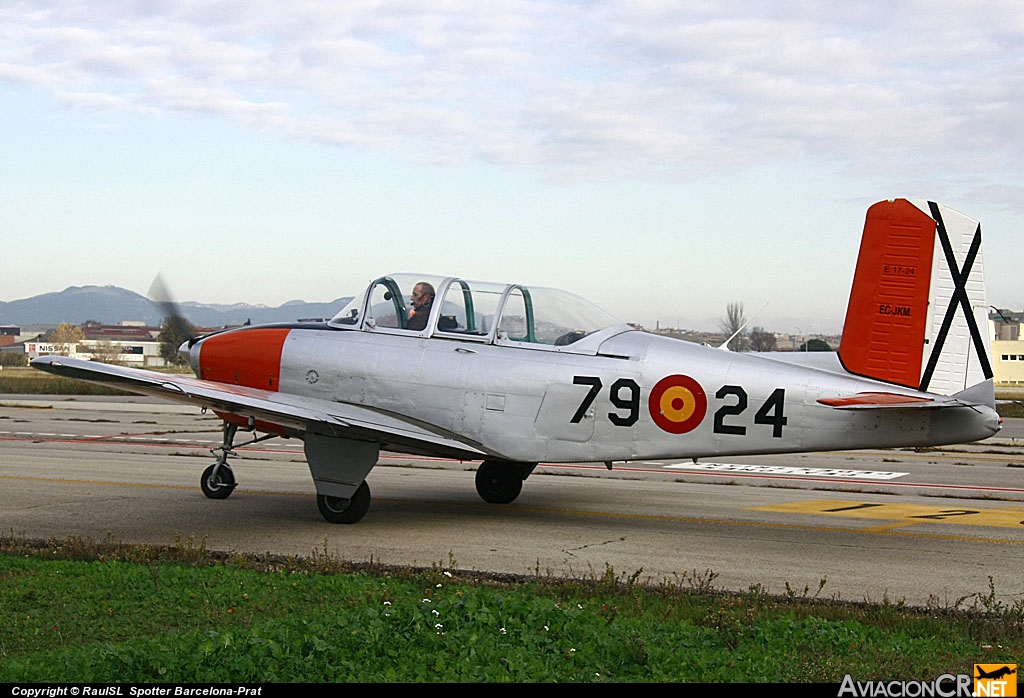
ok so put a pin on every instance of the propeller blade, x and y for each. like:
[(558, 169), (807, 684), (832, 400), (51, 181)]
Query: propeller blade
[(173, 318)]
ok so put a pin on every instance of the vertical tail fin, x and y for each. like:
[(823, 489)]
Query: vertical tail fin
[(918, 316)]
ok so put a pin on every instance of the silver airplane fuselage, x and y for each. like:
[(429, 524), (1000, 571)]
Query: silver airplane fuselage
[(605, 400)]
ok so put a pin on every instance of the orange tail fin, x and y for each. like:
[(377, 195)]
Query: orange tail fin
[(918, 316)]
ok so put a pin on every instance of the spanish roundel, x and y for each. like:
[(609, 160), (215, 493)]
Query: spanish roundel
[(678, 404)]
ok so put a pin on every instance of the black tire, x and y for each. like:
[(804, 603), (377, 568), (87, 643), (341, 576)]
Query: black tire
[(222, 487), (498, 482), (345, 511)]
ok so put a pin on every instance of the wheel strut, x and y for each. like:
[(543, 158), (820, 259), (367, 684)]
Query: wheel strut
[(218, 481)]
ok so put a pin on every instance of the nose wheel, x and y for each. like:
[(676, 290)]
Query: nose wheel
[(218, 481)]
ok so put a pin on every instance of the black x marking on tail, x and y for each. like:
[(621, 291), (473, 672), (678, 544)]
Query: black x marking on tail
[(959, 297)]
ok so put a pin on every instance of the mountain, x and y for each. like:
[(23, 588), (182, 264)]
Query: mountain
[(110, 305)]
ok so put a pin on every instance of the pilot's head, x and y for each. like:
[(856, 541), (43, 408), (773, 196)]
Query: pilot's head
[(422, 293)]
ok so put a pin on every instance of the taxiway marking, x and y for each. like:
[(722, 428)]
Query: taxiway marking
[(899, 515), (789, 470)]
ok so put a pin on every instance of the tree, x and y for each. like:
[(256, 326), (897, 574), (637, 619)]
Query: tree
[(106, 352), (174, 331), (64, 336), (733, 323), (762, 340)]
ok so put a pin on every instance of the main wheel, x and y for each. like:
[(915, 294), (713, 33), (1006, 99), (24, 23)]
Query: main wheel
[(498, 482), (220, 487), (346, 511)]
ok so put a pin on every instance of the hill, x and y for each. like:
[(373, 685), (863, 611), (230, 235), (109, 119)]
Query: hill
[(110, 305)]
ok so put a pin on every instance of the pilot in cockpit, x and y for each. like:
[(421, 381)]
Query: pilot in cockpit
[(422, 300)]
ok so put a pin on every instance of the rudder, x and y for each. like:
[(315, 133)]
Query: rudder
[(918, 316)]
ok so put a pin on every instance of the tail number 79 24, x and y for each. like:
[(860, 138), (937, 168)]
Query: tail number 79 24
[(686, 406)]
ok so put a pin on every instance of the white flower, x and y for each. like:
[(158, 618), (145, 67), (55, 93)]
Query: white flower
[(447, 574), (502, 631), (435, 611)]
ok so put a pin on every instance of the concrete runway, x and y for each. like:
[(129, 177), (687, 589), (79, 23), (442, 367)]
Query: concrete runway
[(921, 527)]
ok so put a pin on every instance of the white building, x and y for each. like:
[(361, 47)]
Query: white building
[(1007, 349)]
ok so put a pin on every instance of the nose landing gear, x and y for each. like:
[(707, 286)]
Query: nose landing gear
[(218, 480)]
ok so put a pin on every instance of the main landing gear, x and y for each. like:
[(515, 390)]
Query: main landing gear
[(500, 482), (339, 468), (345, 511)]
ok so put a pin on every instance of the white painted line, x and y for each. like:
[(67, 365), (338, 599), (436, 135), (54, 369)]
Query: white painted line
[(782, 470)]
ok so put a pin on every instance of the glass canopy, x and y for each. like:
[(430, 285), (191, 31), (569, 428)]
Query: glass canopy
[(492, 312)]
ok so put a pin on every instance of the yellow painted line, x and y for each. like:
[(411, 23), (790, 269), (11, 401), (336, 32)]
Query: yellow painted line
[(899, 515), (143, 485), (69, 481), (885, 530)]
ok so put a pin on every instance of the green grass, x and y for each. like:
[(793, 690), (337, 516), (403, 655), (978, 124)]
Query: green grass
[(79, 611), (52, 385), (30, 381)]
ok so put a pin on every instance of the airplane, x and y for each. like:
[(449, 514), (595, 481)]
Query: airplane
[(995, 674), (514, 375)]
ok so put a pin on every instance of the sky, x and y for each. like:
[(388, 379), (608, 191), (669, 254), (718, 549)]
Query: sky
[(660, 158)]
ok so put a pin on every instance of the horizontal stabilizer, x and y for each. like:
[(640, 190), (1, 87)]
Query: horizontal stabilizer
[(883, 401), (866, 400)]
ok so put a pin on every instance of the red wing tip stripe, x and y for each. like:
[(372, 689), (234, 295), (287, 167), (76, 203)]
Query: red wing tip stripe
[(874, 399)]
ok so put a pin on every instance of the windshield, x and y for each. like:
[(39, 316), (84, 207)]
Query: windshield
[(349, 315)]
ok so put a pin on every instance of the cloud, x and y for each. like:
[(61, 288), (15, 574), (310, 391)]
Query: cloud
[(603, 89)]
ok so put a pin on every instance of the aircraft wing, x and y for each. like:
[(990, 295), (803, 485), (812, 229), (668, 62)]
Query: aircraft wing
[(291, 411)]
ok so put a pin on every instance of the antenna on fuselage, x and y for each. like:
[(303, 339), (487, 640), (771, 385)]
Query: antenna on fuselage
[(725, 344)]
